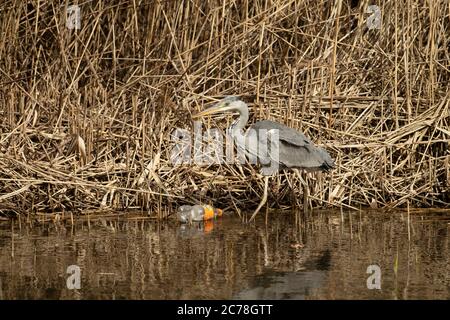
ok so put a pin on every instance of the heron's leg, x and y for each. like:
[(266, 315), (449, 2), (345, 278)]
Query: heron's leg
[(263, 200), (305, 192), (306, 198)]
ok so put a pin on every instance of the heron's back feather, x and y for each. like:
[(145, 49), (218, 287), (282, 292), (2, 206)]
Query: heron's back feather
[(295, 149), (286, 134)]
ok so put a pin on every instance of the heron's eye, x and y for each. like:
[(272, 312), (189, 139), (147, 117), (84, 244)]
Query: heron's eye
[(226, 104)]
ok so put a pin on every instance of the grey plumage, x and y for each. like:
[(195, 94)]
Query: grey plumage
[(296, 150), (273, 145)]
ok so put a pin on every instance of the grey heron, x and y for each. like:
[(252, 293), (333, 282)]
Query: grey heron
[(293, 149)]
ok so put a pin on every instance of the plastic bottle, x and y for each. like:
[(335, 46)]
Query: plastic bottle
[(189, 214)]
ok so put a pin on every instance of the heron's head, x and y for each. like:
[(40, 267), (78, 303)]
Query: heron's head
[(230, 103)]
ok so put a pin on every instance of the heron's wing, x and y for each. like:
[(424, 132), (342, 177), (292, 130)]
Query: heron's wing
[(293, 148), (285, 133)]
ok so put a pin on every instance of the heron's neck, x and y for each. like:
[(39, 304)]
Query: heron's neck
[(241, 122)]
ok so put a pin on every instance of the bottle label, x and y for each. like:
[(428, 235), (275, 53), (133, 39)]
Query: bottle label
[(209, 213)]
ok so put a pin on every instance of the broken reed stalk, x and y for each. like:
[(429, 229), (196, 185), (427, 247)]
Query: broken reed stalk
[(87, 115)]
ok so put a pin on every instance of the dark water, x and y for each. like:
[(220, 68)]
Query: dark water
[(324, 258)]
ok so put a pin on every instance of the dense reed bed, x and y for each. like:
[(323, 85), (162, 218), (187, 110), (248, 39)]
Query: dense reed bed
[(87, 115)]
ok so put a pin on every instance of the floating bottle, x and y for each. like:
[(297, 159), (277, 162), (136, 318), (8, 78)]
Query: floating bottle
[(187, 214)]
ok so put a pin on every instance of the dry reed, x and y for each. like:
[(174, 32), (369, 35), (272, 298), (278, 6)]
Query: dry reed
[(86, 115)]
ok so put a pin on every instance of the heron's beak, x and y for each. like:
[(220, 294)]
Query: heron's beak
[(220, 107)]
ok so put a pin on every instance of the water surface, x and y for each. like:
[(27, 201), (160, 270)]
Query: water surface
[(325, 257)]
